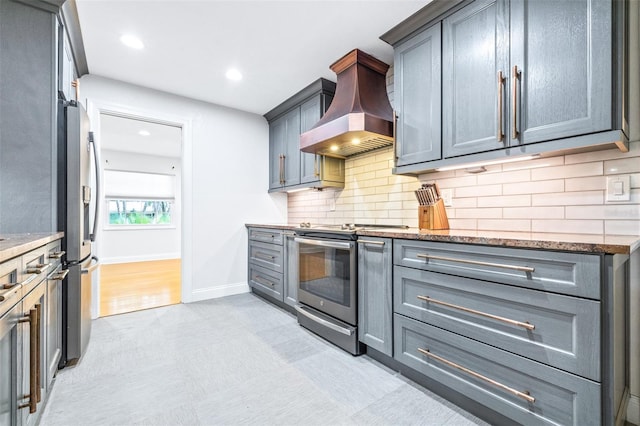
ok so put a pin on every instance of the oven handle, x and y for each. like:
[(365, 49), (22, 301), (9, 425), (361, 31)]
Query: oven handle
[(331, 244), (324, 322)]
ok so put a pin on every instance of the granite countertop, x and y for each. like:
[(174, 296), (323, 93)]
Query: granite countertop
[(14, 245), (587, 243)]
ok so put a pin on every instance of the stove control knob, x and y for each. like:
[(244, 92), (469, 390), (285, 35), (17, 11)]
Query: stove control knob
[(344, 226), (352, 227)]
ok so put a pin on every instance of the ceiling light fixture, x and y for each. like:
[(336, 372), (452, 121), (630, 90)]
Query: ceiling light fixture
[(333, 148), (487, 163), (132, 41), (234, 74), (355, 141), (144, 133)]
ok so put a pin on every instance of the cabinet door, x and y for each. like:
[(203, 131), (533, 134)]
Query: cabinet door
[(292, 148), (562, 50), (9, 356), (53, 326), (291, 271), (375, 310), (310, 113), (417, 81), (66, 67), (277, 131), (475, 53)]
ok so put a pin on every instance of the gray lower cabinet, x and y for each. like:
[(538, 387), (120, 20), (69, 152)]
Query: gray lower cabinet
[(53, 321), (523, 390), (535, 335), (375, 310), (25, 325), (289, 168), (417, 86), (266, 260)]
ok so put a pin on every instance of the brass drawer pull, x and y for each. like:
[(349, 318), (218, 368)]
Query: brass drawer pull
[(57, 254), (32, 319), (378, 243), (526, 325), (524, 395), (475, 262), (263, 256), (263, 281), (60, 276), (38, 269)]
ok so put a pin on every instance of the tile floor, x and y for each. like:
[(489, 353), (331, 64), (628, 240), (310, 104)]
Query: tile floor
[(236, 360)]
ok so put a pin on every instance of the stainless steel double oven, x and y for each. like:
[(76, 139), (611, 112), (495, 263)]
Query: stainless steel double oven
[(328, 285)]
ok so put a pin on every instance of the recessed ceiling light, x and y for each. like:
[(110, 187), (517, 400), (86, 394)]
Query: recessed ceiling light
[(144, 133), (131, 41), (234, 74)]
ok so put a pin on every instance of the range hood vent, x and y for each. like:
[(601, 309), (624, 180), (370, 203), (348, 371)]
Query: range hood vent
[(360, 117)]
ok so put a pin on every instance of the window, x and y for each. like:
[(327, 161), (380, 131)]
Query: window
[(139, 199)]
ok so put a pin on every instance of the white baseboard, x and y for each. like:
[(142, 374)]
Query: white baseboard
[(218, 291), (633, 410), (145, 258)]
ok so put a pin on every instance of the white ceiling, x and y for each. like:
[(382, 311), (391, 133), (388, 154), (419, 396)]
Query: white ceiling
[(279, 46)]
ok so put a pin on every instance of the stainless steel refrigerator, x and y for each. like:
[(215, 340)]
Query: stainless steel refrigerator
[(78, 218)]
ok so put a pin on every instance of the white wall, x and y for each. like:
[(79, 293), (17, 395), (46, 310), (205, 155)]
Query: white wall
[(126, 244), (225, 175)]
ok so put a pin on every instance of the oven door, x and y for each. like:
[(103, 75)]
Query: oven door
[(327, 277)]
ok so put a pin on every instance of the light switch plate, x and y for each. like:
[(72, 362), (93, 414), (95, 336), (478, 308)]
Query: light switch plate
[(447, 197), (618, 188)]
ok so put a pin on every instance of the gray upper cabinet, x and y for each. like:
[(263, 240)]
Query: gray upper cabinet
[(564, 75), (375, 305), (417, 82), (289, 168), (66, 68), (474, 57), (518, 77)]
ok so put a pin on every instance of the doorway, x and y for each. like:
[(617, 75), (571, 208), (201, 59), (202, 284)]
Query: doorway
[(141, 214)]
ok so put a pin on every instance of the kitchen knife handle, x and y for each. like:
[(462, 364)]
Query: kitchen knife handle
[(500, 135), (515, 74)]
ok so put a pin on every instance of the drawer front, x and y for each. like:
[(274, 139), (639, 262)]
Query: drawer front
[(35, 267), (10, 288), (574, 274), (268, 256), (558, 330), (492, 377), (273, 236), (266, 281)]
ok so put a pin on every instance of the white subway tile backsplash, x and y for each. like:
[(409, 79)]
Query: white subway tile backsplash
[(568, 226), (579, 198), (533, 187), (533, 213), (574, 170), (564, 194), (504, 200), (478, 191)]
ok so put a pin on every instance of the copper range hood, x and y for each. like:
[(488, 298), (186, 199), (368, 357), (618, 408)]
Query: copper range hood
[(360, 117)]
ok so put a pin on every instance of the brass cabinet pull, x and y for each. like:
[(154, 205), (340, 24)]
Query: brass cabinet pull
[(475, 262), (500, 135), (526, 325), (378, 243), (515, 74), (6, 287), (38, 307), (524, 395), (263, 234), (263, 256), (38, 269), (32, 319), (57, 254), (261, 280), (395, 126)]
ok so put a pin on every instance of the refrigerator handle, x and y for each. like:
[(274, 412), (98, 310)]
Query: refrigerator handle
[(96, 213)]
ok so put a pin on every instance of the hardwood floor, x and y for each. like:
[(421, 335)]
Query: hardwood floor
[(128, 287)]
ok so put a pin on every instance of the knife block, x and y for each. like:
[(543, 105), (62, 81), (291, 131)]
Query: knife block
[(433, 216)]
